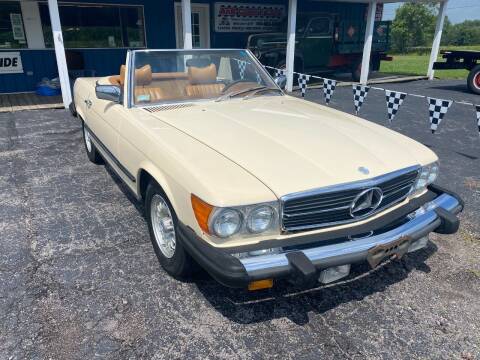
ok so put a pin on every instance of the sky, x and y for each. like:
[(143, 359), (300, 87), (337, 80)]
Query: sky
[(457, 10)]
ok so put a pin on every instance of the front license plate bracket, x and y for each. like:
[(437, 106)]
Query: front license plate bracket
[(395, 249)]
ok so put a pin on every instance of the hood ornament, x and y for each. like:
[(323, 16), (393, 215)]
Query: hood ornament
[(364, 170)]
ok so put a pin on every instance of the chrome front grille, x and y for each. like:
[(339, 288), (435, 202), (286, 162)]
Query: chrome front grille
[(331, 206)]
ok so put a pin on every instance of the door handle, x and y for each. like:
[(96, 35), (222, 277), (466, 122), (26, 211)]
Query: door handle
[(88, 103)]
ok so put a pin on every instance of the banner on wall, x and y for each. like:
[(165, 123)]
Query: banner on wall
[(11, 63), (247, 17)]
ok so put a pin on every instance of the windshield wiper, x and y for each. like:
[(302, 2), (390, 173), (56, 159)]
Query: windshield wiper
[(262, 90), (240, 92)]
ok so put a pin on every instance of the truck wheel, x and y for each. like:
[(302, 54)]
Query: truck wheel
[(473, 80), (92, 152), (163, 228)]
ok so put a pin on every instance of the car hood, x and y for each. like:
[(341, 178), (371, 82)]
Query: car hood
[(292, 145)]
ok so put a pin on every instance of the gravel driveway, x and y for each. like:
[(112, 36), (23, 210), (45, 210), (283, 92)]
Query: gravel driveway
[(79, 279)]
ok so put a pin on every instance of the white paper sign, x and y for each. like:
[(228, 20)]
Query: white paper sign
[(17, 27), (10, 63), (246, 17)]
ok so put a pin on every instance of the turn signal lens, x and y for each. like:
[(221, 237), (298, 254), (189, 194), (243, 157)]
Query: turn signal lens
[(202, 212), (260, 284)]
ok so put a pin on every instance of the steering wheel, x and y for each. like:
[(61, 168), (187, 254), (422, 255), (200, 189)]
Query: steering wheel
[(233, 83)]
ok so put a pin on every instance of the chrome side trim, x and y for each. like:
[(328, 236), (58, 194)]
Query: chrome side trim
[(355, 250)]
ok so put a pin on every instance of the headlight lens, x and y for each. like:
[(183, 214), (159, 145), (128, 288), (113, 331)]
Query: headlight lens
[(427, 175), (260, 219), (227, 222), (238, 221)]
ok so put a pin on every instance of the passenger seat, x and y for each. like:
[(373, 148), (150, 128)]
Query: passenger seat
[(203, 82)]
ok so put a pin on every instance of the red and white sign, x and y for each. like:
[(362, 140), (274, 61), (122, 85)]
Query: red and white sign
[(246, 17)]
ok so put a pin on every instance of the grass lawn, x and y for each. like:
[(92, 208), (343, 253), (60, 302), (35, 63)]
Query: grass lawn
[(415, 64)]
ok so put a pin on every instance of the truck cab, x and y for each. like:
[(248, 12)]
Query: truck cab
[(325, 43)]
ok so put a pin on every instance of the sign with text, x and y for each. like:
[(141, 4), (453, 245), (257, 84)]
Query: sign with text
[(10, 63), (246, 17)]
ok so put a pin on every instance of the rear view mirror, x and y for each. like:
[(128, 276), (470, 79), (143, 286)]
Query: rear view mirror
[(281, 81), (108, 92)]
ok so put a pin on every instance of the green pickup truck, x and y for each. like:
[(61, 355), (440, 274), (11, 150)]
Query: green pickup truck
[(325, 43)]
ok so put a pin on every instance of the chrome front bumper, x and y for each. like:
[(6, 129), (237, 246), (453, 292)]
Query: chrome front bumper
[(428, 218)]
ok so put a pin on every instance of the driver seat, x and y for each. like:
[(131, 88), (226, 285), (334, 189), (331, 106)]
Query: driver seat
[(202, 82)]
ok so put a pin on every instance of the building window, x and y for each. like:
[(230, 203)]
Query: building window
[(319, 26), (92, 26), (12, 33)]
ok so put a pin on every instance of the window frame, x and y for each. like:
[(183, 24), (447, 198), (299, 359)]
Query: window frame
[(328, 34), (114, 5), (23, 26)]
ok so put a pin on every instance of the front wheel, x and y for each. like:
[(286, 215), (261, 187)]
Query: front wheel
[(90, 148), (473, 80), (163, 229)]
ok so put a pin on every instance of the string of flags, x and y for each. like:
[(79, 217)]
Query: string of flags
[(437, 108)]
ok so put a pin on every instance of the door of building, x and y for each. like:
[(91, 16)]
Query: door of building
[(200, 25)]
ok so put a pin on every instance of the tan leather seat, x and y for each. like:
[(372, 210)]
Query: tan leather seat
[(118, 80), (202, 82)]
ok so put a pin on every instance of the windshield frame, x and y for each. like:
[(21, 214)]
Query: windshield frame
[(131, 66)]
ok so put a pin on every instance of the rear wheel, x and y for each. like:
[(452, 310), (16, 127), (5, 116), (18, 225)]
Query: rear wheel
[(473, 80), (163, 229), (92, 152)]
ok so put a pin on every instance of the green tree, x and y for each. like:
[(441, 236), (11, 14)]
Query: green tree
[(414, 25), (465, 33)]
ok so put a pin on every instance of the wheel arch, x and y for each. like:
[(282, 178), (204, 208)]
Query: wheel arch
[(148, 172)]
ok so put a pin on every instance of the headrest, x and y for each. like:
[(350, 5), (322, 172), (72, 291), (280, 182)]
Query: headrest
[(122, 74), (143, 76), (203, 75)]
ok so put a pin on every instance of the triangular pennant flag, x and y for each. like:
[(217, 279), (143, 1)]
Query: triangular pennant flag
[(394, 101), (259, 78), (360, 93), (437, 109), (242, 66), (477, 110), (279, 72), (329, 86), (302, 82)]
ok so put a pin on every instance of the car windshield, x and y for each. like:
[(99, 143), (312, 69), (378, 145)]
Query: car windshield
[(170, 76)]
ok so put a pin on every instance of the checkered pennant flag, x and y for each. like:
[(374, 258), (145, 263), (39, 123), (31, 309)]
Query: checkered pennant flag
[(360, 93), (329, 86), (437, 110), (302, 82), (242, 66), (394, 101), (279, 72), (477, 110), (259, 78)]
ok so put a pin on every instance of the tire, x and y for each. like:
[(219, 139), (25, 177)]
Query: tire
[(173, 257), (473, 80), (92, 152)]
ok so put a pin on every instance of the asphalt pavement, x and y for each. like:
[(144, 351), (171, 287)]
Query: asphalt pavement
[(79, 278)]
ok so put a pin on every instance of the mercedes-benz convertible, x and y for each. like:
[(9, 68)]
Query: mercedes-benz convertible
[(252, 184)]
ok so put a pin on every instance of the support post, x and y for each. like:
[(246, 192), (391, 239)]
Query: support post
[(290, 60), (60, 52), (187, 24), (437, 38), (367, 46)]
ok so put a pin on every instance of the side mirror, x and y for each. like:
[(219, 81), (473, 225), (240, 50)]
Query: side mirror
[(108, 92), (281, 81)]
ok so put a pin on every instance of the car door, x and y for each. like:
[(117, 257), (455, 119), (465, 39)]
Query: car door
[(317, 44), (106, 122)]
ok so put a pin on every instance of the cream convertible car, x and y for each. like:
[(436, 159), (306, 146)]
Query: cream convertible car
[(250, 183)]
